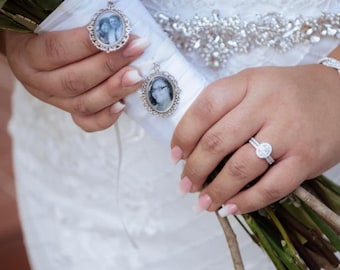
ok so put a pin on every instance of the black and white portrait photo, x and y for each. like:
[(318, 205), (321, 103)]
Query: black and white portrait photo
[(109, 28), (161, 94)]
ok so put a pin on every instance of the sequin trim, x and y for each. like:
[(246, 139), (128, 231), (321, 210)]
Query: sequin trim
[(215, 39)]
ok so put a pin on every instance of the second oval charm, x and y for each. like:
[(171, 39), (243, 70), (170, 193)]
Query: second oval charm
[(160, 93)]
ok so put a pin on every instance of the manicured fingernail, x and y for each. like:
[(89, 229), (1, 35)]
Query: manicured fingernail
[(203, 203), (185, 186), (131, 77), (117, 107), (136, 47), (228, 209), (176, 154)]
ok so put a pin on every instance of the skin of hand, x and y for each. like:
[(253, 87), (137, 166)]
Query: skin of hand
[(295, 109), (64, 69)]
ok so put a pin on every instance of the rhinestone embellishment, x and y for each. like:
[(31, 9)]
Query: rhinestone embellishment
[(215, 39), (331, 62), (264, 150)]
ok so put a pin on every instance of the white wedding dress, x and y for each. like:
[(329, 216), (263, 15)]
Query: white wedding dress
[(90, 201)]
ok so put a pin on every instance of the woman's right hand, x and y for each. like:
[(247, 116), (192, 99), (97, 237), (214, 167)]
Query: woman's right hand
[(64, 69)]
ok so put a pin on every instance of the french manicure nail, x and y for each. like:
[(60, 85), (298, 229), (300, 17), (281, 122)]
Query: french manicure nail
[(185, 185), (131, 77), (228, 209), (117, 107), (176, 154), (136, 47), (203, 203)]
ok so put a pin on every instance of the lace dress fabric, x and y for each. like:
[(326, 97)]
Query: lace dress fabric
[(102, 201)]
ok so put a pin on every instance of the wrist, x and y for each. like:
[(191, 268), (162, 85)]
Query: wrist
[(335, 53)]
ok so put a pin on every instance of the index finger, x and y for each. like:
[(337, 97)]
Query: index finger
[(210, 106), (52, 50)]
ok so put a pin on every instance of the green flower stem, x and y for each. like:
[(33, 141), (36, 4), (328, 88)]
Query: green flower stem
[(320, 208), (283, 232), (25, 10), (266, 243), (273, 235), (325, 181), (313, 237), (305, 255), (25, 15), (291, 262), (251, 235), (8, 21), (313, 226), (296, 210), (326, 194), (324, 227)]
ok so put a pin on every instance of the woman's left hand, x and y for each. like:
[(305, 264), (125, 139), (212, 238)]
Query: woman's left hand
[(295, 109)]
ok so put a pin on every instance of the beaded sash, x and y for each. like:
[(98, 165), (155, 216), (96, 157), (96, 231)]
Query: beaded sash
[(215, 39)]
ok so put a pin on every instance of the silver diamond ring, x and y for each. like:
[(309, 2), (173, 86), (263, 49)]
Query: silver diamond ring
[(263, 150)]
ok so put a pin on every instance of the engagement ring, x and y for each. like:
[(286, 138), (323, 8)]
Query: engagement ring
[(263, 150)]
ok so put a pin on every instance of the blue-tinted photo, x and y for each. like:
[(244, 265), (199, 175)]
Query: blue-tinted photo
[(109, 28)]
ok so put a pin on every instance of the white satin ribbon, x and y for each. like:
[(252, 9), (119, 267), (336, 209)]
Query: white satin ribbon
[(75, 13)]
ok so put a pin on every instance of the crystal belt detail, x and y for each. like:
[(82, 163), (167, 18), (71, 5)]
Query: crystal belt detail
[(215, 39)]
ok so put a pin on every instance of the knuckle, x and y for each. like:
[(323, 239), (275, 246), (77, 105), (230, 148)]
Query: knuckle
[(238, 169), (110, 64), (192, 172), (271, 193), (79, 106), (84, 123), (101, 124), (204, 107), (72, 83), (234, 128), (85, 127), (54, 49), (79, 121), (114, 91), (217, 194), (87, 44), (213, 142)]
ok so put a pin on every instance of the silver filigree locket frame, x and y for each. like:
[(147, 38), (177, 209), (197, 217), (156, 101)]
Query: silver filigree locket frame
[(109, 29), (160, 93)]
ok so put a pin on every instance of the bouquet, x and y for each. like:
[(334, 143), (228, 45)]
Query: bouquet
[(299, 232), (24, 16)]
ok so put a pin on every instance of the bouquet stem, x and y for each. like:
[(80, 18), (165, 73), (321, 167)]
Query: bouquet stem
[(319, 208), (23, 15), (299, 232), (232, 242)]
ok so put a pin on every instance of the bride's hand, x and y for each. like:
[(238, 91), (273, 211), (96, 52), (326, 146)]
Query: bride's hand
[(64, 69), (295, 109)]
